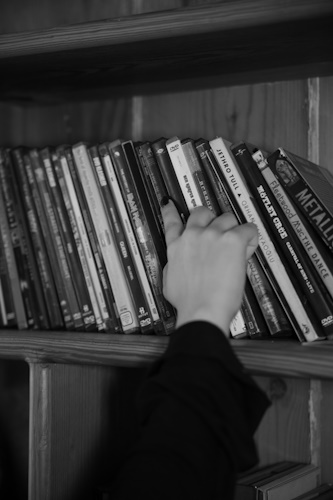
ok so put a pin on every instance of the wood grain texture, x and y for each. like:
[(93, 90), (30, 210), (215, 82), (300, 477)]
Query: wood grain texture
[(326, 123), (324, 104), (77, 380), (45, 14), (313, 119), (284, 432), (326, 455), (68, 123), (231, 42), (14, 429), (315, 396), (289, 358), (101, 349), (73, 416), (164, 24), (268, 115)]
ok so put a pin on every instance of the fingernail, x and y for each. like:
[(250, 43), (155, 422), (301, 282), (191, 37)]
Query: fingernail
[(164, 201)]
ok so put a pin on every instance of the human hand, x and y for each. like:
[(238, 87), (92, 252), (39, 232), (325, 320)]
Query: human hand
[(205, 275)]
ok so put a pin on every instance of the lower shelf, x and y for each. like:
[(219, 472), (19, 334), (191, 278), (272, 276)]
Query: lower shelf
[(279, 357)]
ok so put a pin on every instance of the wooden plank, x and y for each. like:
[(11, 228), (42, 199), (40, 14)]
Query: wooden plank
[(72, 425), (284, 432), (326, 123), (47, 14), (268, 115), (164, 24), (92, 121), (227, 41), (99, 349), (326, 431), (39, 126), (324, 105), (14, 428), (315, 395), (289, 358)]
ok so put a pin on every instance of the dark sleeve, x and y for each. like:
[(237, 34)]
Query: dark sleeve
[(198, 411)]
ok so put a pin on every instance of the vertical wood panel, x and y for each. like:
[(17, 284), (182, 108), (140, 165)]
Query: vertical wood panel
[(326, 123), (73, 421), (19, 15), (65, 123), (269, 115), (313, 119), (284, 431), (14, 427), (326, 431), (314, 155), (315, 396), (44, 14)]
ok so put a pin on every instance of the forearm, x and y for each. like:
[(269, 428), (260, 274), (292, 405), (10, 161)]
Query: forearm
[(198, 411)]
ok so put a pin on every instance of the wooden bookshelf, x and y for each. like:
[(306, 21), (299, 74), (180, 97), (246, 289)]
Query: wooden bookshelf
[(220, 44), (243, 69), (269, 357)]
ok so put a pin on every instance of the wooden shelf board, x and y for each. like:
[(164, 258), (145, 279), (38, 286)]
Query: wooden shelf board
[(231, 42), (284, 358), (82, 348)]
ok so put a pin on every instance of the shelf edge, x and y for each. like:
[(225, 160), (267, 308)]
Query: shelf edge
[(283, 358), (162, 24)]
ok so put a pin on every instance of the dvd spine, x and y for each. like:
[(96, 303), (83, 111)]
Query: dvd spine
[(269, 302), (115, 187), (92, 318), (73, 244), (314, 199), (56, 218), (12, 269), (153, 181), (184, 175), (100, 290), (30, 197), (299, 224), (169, 176), (45, 210), (287, 244), (150, 246), (304, 322), (124, 302), (129, 269), (17, 241), (199, 175)]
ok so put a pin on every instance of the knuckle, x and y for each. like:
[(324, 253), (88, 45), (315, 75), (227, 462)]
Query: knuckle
[(230, 215), (198, 211), (231, 238)]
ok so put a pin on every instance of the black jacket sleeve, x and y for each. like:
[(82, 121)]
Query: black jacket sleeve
[(198, 411)]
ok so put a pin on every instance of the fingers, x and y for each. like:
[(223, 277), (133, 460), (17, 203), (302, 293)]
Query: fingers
[(248, 231), (200, 217), (249, 234), (224, 222), (253, 242), (203, 217), (173, 224)]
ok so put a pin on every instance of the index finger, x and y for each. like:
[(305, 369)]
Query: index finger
[(173, 224)]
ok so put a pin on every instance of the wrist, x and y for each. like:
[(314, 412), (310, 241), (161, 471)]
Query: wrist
[(203, 314)]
